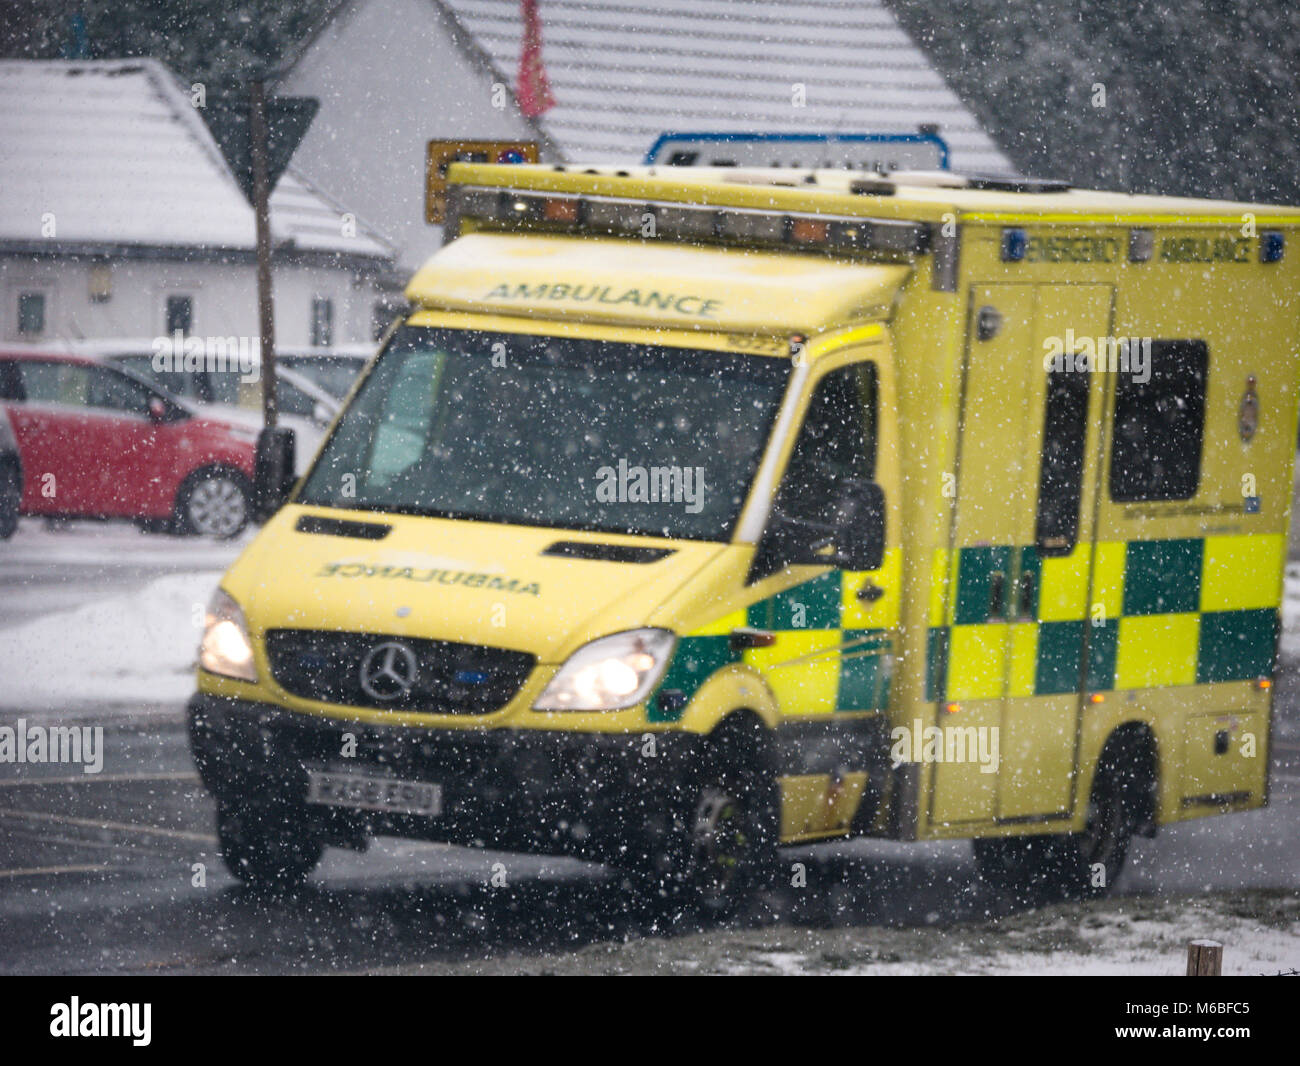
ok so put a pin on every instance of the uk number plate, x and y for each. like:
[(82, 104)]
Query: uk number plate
[(366, 793)]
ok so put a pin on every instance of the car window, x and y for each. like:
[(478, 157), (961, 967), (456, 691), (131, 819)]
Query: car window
[(293, 401), (111, 391), (77, 385), (228, 387), (11, 385), (837, 441), (54, 382), (176, 382), (334, 374)]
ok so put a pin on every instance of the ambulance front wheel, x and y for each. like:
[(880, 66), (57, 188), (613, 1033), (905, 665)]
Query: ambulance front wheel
[(266, 847), (710, 843)]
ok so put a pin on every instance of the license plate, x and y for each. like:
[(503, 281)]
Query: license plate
[(366, 793)]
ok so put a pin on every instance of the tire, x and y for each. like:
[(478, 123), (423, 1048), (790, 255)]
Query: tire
[(268, 848), (711, 846), (1083, 865), (215, 502), (11, 497)]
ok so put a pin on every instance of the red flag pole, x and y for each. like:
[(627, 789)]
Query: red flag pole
[(534, 92)]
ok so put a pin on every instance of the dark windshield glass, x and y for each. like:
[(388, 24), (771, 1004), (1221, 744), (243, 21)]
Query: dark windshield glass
[(549, 431)]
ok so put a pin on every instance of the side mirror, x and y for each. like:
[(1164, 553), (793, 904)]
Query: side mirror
[(158, 409), (273, 476), (852, 538)]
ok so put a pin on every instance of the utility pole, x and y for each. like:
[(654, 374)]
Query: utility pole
[(257, 129), (257, 136)]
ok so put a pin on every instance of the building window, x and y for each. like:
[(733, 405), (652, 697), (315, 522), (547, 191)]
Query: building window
[(180, 314), (322, 322), (1160, 424), (100, 283), (31, 314)]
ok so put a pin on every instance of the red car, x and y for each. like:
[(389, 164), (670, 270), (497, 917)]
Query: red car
[(98, 442)]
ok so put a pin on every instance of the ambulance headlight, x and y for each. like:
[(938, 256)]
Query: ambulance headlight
[(226, 648), (610, 673)]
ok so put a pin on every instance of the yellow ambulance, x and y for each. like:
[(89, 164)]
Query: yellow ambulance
[(690, 513)]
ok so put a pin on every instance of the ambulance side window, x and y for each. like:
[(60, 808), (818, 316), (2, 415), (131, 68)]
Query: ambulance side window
[(1060, 478), (1160, 424), (837, 440)]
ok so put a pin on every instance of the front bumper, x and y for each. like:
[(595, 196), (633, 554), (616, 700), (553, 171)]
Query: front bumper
[(551, 791)]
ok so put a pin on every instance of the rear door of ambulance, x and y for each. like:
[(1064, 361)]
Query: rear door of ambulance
[(1016, 634)]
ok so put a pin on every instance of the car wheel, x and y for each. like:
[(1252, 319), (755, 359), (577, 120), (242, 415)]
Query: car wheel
[(214, 503), (712, 845), (266, 847), (1095, 857), (1083, 865), (11, 495)]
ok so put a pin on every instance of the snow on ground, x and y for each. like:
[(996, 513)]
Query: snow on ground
[(1143, 936), (106, 546), (128, 652), (1135, 937)]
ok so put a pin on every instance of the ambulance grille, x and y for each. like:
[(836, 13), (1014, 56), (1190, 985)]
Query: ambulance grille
[(443, 677)]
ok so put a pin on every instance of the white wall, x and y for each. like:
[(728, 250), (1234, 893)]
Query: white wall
[(224, 299), (390, 78)]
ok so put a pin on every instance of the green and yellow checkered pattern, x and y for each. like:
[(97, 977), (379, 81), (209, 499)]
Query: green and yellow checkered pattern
[(1161, 612), (827, 656)]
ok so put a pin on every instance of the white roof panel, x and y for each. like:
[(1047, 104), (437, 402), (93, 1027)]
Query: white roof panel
[(625, 71), (112, 152)]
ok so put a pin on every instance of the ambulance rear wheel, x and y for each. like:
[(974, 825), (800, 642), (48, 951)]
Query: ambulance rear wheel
[(1095, 857), (711, 847), (1083, 865), (267, 848)]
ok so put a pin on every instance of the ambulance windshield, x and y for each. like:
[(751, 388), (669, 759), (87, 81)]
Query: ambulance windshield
[(553, 431)]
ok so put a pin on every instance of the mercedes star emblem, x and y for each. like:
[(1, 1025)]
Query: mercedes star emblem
[(388, 671)]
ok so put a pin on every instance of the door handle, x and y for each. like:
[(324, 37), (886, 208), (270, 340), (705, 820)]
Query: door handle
[(1026, 605), (997, 594), (751, 638), (870, 592)]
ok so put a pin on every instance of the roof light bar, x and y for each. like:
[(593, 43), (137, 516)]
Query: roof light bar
[(687, 222)]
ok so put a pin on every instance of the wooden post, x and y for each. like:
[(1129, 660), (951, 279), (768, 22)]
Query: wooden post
[(257, 132), (1204, 958)]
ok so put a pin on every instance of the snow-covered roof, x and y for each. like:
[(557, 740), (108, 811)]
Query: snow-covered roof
[(112, 152), (624, 71)]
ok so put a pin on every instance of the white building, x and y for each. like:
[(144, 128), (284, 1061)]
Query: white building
[(394, 74), (120, 218)]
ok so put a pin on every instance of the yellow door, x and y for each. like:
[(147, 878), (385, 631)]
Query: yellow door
[(828, 639), (1018, 591)]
